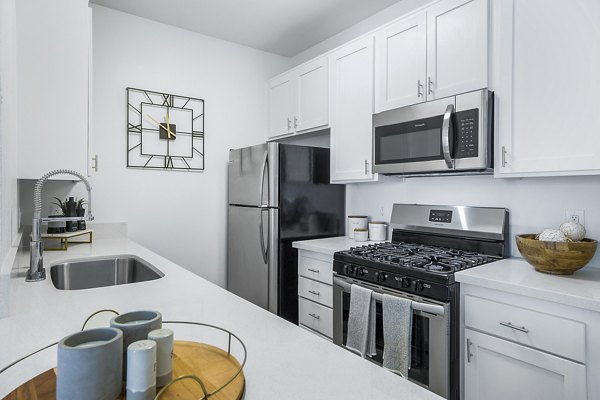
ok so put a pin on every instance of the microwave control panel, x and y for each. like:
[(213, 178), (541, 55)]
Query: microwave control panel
[(467, 143)]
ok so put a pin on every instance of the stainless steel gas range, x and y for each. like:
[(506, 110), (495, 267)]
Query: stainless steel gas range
[(429, 244)]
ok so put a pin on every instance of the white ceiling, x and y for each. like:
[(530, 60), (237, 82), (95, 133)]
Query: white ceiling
[(285, 27)]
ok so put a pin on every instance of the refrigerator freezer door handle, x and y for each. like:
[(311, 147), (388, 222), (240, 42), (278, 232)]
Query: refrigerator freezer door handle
[(262, 180)]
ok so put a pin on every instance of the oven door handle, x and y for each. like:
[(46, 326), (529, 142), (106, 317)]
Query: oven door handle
[(434, 309), (447, 130)]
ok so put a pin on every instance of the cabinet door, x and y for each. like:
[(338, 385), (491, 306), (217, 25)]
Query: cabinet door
[(312, 108), (496, 369), (52, 82), (457, 47), (546, 84), (281, 105), (351, 104), (400, 63)]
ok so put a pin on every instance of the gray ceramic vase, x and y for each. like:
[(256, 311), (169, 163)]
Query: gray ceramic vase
[(135, 326), (90, 365)]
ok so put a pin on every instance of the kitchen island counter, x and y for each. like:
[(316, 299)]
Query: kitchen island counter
[(284, 361)]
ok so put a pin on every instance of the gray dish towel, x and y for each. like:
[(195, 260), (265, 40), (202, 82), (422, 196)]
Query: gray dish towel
[(361, 322), (397, 329)]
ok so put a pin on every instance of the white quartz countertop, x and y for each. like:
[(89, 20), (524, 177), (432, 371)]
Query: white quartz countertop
[(329, 245), (284, 361), (515, 275)]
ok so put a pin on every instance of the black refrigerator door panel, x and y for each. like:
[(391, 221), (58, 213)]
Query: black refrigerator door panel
[(310, 206)]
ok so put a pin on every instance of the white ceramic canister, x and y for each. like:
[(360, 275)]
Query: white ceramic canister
[(361, 235), (377, 230), (164, 355), (356, 222), (141, 370)]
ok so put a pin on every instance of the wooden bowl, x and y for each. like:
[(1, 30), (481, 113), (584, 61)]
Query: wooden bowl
[(560, 258)]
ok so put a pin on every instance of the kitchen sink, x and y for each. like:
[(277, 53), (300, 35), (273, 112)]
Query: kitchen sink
[(100, 272)]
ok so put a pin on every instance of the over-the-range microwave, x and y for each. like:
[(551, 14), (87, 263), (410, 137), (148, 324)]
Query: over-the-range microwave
[(449, 135)]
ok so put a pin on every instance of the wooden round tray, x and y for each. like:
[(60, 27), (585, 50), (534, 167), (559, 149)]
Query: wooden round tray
[(211, 364)]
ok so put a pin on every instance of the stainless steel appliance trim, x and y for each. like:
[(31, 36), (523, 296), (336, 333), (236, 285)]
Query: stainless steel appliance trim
[(273, 259), (469, 222), (446, 131), (416, 305), (515, 327), (261, 187), (261, 234)]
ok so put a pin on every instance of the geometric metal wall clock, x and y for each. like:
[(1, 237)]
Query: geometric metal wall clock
[(164, 131)]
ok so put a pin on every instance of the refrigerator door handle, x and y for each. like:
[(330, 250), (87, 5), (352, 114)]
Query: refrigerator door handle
[(262, 180), (261, 232)]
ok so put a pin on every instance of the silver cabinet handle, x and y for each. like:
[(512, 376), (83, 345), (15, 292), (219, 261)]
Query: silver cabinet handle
[(429, 84), (315, 316), (419, 86), (504, 156), (316, 271), (516, 328), (469, 354), (366, 167), (295, 122), (313, 292), (289, 124), (95, 165), (446, 131)]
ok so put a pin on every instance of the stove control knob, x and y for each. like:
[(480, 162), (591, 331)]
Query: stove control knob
[(381, 276), (360, 271), (418, 286), (349, 269), (406, 282)]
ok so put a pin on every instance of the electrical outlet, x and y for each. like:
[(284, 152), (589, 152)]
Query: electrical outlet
[(575, 216)]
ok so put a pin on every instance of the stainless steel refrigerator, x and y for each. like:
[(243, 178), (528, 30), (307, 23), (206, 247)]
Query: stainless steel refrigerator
[(278, 193)]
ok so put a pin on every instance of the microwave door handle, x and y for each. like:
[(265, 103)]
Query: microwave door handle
[(447, 129)]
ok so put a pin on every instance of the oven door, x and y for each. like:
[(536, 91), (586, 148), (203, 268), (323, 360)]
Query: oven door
[(430, 341)]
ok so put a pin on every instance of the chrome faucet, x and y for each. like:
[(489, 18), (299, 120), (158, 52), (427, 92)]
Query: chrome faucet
[(36, 270)]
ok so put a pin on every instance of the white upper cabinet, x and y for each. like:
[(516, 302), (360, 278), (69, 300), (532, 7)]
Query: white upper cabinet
[(312, 110), (457, 47), (53, 49), (438, 52), (401, 62), (281, 105), (351, 105), (545, 77), (298, 100)]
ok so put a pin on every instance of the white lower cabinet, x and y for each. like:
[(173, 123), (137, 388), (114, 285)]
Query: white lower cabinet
[(315, 292), (498, 369), (516, 347)]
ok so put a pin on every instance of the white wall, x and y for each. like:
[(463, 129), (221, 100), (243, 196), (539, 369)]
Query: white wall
[(8, 128), (180, 215), (534, 203)]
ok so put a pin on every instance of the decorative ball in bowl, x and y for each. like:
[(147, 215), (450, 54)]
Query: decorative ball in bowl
[(559, 258)]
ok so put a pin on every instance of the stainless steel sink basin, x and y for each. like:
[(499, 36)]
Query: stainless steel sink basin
[(99, 272)]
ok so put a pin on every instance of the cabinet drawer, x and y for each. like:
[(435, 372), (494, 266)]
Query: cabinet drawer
[(315, 291), (546, 332), (306, 328), (316, 316), (313, 268)]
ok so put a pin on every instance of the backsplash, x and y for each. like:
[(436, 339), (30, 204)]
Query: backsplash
[(534, 203)]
